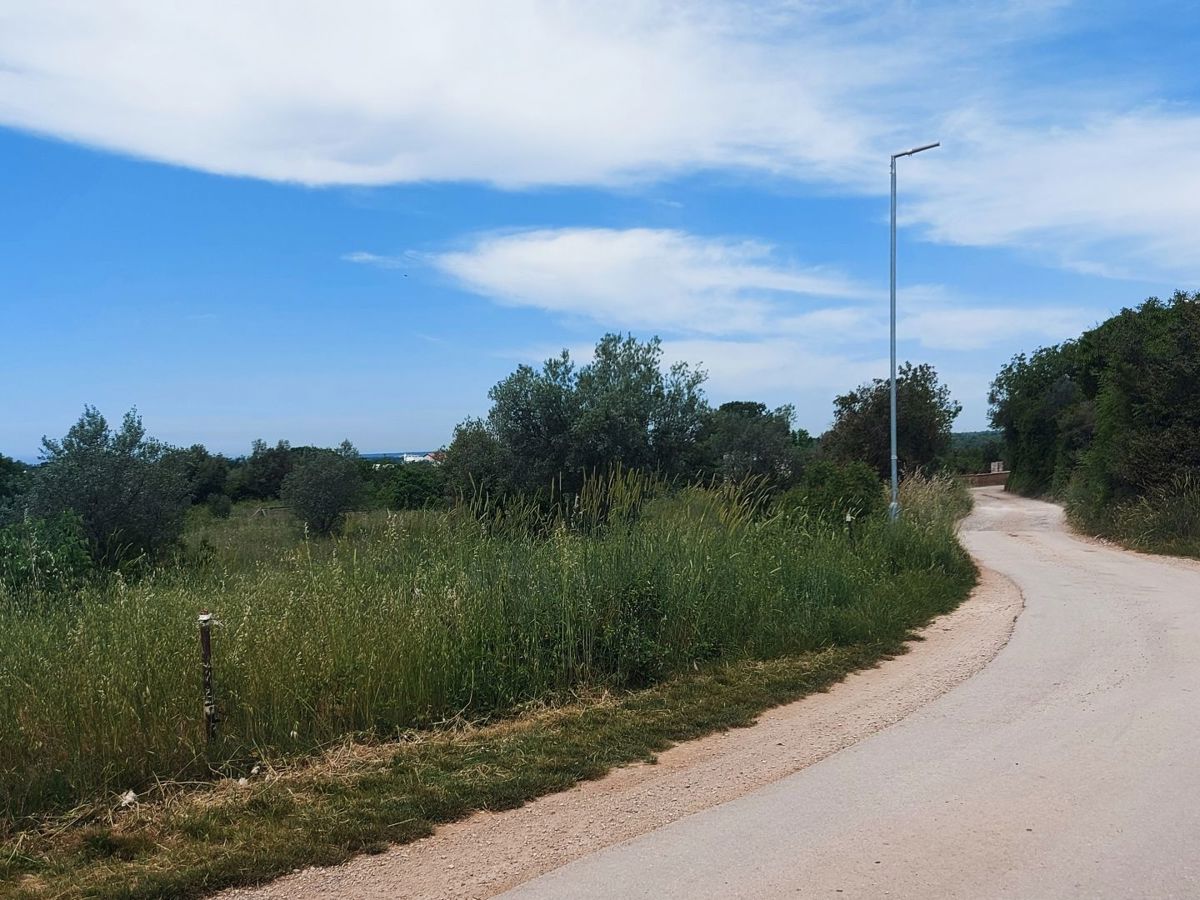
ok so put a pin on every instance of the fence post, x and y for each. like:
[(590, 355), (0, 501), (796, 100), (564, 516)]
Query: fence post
[(210, 697)]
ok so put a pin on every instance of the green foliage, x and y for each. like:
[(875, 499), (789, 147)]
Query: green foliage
[(1110, 421), (417, 485), (560, 422), (14, 479), (1165, 520), (974, 451), (1038, 404), (925, 414), (220, 505), (260, 475), (836, 493), (130, 497), (476, 463), (206, 473), (408, 619), (744, 439), (43, 557), (322, 487)]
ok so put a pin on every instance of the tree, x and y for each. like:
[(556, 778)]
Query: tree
[(559, 422), (206, 473), (743, 438), (15, 479), (629, 412), (476, 462), (1110, 417), (926, 412), (131, 500), (260, 475), (416, 485), (1038, 403), (322, 486)]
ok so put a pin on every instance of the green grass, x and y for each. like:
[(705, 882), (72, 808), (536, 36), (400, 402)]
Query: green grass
[(1165, 520), (412, 621), (227, 835)]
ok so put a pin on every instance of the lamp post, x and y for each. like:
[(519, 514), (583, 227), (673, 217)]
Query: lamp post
[(894, 507)]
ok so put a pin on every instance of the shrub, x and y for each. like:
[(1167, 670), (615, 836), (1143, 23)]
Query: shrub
[(322, 487), (43, 555), (833, 492), (1166, 519), (219, 505), (416, 486), (130, 498)]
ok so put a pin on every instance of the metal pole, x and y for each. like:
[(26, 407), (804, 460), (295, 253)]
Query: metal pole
[(210, 697), (894, 507)]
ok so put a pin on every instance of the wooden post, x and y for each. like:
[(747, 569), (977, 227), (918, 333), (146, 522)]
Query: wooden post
[(210, 697)]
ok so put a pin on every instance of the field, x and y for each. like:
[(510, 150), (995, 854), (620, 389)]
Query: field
[(424, 620)]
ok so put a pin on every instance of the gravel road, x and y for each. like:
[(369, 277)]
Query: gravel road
[(1068, 767)]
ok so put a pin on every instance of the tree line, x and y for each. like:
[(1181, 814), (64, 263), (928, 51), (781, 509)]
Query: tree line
[(114, 494), (1110, 422)]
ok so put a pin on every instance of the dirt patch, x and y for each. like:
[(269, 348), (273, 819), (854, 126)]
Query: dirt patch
[(492, 852)]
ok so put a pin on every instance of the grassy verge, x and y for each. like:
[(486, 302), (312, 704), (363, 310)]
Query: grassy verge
[(226, 833), (689, 611), (1166, 520)]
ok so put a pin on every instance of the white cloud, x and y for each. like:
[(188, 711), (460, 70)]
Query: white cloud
[(362, 257), (963, 323), (1109, 196), (761, 327), (648, 278), (684, 284), (1097, 176), (372, 91)]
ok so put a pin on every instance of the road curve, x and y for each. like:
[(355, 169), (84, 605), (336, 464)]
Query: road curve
[(1068, 767)]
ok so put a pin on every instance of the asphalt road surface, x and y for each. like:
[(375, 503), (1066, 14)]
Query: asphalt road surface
[(1067, 767)]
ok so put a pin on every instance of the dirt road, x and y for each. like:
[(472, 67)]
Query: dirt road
[(1068, 767)]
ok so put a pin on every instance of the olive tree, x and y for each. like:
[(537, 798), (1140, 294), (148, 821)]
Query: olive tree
[(322, 486), (130, 496)]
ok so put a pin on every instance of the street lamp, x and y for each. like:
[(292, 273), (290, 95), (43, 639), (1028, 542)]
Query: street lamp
[(894, 508)]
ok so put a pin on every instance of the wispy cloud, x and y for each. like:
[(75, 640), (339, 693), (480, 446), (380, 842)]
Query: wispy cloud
[(362, 257), (642, 278), (761, 326), (683, 284)]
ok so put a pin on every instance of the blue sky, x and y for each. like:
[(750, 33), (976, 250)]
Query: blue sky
[(317, 222)]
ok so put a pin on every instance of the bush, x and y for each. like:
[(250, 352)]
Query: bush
[(219, 505), (416, 486), (1166, 519), (43, 555), (131, 499), (833, 492), (322, 487)]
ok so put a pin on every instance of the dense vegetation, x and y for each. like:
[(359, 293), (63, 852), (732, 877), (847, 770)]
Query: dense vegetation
[(862, 419), (405, 620), (603, 528), (1110, 423)]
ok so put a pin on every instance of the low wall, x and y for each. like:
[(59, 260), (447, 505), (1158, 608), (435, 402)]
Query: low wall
[(985, 479)]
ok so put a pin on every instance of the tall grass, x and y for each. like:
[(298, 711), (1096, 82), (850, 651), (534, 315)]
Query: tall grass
[(411, 619), (1166, 519)]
